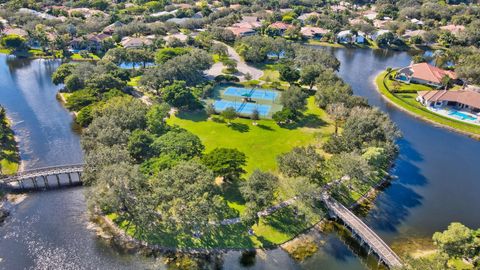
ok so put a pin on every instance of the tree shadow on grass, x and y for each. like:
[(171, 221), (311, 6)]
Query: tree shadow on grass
[(217, 119), (265, 127), (286, 221), (309, 120), (231, 192), (239, 127), (195, 116)]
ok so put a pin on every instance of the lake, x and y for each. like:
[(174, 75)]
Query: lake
[(436, 180)]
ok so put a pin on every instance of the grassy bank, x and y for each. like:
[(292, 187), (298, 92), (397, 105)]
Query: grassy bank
[(406, 101), (9, 158)]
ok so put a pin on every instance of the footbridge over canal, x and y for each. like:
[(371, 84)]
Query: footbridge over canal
[(44, 178), (362, 232)]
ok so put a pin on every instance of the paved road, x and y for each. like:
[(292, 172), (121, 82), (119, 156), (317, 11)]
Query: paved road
[(243, 68)]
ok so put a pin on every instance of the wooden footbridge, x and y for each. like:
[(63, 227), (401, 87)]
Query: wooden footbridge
[(44, 178), (362, 232)]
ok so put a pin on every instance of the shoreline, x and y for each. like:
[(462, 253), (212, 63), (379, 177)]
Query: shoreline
[(432, 122), (107, 229)]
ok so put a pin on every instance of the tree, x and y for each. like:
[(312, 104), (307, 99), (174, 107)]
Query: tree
[(229, 114), (338, 112), (225, 162), (186, 199), (80, 99), (258, 192), (73, 83), (302, 162), (230, 64), (284, 116), (309, 74), (294, 99), (457, 241), (165, 54), (255, 116), (179, 95), (210, 109), (101, 157), (13, 42), (61, 73), (289, 73), (468, 69), (139, 144), (179, 144), (156, 116)]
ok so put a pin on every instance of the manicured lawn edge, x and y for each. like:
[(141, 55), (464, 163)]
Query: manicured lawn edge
[(423, 114)]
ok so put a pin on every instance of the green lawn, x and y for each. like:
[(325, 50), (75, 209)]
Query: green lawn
[(408, 102), (261, 143), (134, 81), (77, 56), (9, 159)]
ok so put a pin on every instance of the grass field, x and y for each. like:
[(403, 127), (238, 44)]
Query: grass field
[(408, 102), (261, 143)]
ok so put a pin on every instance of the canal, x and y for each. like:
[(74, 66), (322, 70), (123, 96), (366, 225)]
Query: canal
[(436, 180)]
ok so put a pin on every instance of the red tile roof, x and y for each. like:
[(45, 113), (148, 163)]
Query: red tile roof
[(427, 72), (470, 98), (280, 25)]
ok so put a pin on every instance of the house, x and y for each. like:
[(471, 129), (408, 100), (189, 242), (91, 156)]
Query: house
[(280, 26), (413, 33), (135, 42), (380, 32), (15, 31), (41, 15), (465, 100), (110, 29), (454, 29), (313, 32), (348, 37), (306, 16), (416, 21), (424, 73), (91, 42), (180, 36), (249, 22), (242, 31)]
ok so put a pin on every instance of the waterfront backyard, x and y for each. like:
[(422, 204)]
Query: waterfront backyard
[(404, 96)]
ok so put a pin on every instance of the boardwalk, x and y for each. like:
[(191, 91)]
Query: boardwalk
[(361, 230), (66, 175)]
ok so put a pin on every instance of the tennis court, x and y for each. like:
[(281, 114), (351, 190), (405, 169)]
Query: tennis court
[(242, 108), (254, 93)]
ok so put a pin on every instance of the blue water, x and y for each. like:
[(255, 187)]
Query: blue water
[(402, 78), (462, 116), (257, 93), (132, 65), (244, 108)]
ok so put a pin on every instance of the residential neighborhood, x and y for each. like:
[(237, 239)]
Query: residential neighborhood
[(232, 134)]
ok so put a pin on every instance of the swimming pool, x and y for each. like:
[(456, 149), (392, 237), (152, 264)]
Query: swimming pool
[(402, 78), (254, 93), (461, 115), (242, 107)]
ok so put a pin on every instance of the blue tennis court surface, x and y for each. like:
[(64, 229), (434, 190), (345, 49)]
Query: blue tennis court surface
[(244, 108), (254, 93)]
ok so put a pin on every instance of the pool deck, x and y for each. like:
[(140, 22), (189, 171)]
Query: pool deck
[(447, 112)]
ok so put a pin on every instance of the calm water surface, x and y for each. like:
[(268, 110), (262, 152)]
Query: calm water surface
[(436, 170)]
